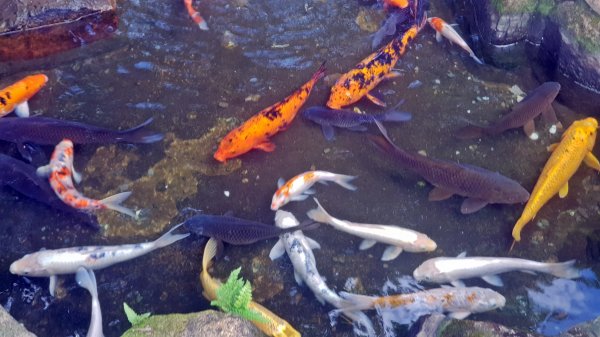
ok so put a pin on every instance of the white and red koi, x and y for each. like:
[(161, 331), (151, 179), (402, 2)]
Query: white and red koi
[(195, 15), (60, 173), (298, 188), (445, 30)]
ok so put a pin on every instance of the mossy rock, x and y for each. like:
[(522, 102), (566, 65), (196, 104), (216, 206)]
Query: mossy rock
[(508, 7), (579, 23)]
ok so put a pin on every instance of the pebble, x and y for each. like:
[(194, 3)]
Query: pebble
[(422, 153), (252, 98), (244, 180), (226, 193), (327, 150), (223, 104)]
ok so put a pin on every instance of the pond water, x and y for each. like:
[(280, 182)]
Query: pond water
[(160, 65)]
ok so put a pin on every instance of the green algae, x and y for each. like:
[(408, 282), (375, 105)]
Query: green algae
[(579, 23)]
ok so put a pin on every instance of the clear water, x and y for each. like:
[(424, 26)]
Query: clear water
[(160, 65)]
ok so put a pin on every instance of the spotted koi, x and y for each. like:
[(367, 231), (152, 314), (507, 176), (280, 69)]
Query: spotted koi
[(195, 15), (60, 173), (358, 82), (15, 96), (256, 131)]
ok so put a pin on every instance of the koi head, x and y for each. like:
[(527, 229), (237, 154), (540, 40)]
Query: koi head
[(428, 272), (483, 299), (33, 84), (29, 265), (284, 219), (340, 95), (63, 153), (280, 198), (232, 146), (424, 244), (436, 23)]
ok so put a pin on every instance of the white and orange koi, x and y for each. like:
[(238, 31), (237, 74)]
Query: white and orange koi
[(195, 15), (446, 30), (60, 173), (298, 188)]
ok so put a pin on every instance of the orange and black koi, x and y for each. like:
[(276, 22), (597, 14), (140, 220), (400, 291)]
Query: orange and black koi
[(195, 15), (15, 96), (358, 82)]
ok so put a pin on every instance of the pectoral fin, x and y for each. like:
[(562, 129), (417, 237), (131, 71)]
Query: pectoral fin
[(266, 146), (375, 100), (366, 244), (280, 182), (438, 37), (458, 284), (390, 253), (552, 147), (309, 191), (52, 285), (459, 314), (76, 175), (22, 110), (564, 190), (312, 243), (298, 278), (529, 129), (391, 75), (328, 132), (472, 205), (277, 251), (299, 197), (43, 171), (493, 280), (438, 193), (549, 116), (591, 161)]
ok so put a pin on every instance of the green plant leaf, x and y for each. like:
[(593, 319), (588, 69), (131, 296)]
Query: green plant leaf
[(234, 297), (133, 317)]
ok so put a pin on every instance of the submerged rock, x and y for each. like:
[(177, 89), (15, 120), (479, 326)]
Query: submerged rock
[(37, 28), (9, 327), (208, 323), (169, 181)]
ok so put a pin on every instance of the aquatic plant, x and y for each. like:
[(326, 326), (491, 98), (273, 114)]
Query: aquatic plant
[(234, 296), (133, 317)]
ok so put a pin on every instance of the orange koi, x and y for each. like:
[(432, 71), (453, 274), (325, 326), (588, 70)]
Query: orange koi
[(358, 82), (15, 97), (195, 15), (402, 4), (575, 147), (60, 173), (255, 132)]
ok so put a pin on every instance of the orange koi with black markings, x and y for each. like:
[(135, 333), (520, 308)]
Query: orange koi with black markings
[(60, 173), (15, 97), (358, 82), (255, 132)]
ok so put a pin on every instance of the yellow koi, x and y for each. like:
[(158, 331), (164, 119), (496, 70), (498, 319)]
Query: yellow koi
[(575, 147), (273, 325)]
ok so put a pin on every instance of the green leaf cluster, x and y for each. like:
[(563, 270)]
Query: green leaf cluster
[(133, 317), (234, 296)]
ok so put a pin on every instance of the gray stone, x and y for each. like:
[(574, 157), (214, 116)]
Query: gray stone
[(595, 5), (9, 327), (208, 323)]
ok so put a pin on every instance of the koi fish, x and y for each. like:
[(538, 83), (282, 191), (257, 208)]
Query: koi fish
[(298, 188), (87, 280), (299, 249), (402, 4), (255, 132), (329, 118), (272, 325), (15, 96), (575, 147), (478, 185), (60, 173), (446, 30), (23, 178), (366, 75), (233, 230), (539, 101), (458, 302), (396, 237), (195, 15), (52, 262), (453, 269)]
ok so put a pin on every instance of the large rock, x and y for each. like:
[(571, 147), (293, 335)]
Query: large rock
[(207, 323), (595, 4), (9, 327), (37, 28)]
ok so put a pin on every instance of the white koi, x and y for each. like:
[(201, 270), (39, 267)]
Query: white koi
[(446, 30)]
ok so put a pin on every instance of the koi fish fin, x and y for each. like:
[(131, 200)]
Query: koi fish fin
[(472, 205), (280, 182), (458, 284), (549, 117), (169, 238), (392, 75), (552, 147), (52, 285), (395, 116), (564, 190), (459, 314), (319, 214), (564, 270), (76, 175), (312, 243), (356, 302), (462, 255), (266, 146), (470, 132), (22, 109), (210, 250), (277, 251), (309, 191), (344, 181), (328, 132), (298, 278), (390, 253), (139, 135), (477, 59), (366, 244), (86, 279), (358, 128), (438, 194), (376, 100), (24, 151), (438, 37), (114, 202), (591, 161), (529, 129), (43, 171), (299, 197), (494, 280)]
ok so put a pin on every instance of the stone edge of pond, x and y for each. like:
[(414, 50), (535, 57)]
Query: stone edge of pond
[(10, 327)]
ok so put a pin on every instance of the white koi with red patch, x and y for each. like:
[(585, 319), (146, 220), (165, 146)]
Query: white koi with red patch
[(60, 173), (298, 188), (446, 30)]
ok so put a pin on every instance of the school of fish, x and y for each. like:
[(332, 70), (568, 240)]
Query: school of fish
[(54, 185)]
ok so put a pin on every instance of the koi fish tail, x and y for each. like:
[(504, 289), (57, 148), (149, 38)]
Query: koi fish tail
[(210, 251), (354, 302), (319, 214), (361, 322), (344, 181), (563, 270), (169, 238), (114, 202), (516, 232), (477, 59), (394, 116), (470, 132), (86, 279), (139, 135), (320, 73), (195, 15)]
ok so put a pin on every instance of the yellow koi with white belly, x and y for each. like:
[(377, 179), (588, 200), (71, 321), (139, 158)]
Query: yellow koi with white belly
[(273, 325), (575, 146)]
